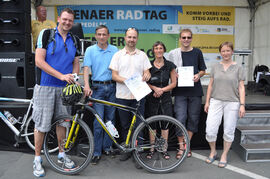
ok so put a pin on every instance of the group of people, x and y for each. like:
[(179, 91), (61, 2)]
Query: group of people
[(110, 67)]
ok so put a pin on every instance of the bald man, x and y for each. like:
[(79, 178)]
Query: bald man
[(40, 23)]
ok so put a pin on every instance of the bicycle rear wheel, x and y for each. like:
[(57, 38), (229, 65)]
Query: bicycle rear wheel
[(158, 126), (29, 135), (80, 152)]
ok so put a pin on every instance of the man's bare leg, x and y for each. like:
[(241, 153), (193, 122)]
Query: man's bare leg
[(38, 137)]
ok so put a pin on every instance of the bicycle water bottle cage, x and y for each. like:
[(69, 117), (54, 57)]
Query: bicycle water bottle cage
[(71, 94)]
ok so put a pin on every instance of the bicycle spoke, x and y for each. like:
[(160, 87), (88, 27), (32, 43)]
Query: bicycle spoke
[(163, 141), (77, 155)]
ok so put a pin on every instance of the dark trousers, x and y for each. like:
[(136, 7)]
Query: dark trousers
[(126, 116)]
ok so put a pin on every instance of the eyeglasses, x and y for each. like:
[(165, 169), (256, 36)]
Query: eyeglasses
[(66, 47), (189, 37)]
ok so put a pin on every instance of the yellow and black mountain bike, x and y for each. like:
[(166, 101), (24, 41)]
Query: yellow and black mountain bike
[(78, 143)]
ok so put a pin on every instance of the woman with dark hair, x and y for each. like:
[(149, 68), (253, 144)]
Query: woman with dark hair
[(225, 97), (159, 101)]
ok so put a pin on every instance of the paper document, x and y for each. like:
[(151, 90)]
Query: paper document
[(137, 87), (185, 76)]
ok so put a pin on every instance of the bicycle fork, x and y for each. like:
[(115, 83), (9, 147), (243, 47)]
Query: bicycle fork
[(75, 126)]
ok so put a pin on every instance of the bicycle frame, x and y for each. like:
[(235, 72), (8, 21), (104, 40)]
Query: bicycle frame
[(134, 111), (14, 129)]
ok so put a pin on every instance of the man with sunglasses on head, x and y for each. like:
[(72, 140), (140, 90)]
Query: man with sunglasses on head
[(187, 104), (98, 58), (125, 63), (57, 60)]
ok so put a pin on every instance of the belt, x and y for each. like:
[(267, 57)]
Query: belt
[(104, 82)]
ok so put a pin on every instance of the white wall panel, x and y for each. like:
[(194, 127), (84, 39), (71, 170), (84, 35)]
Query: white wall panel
[(242, 28), (262, 15), (51, 13), (262, 36), (261, 56)]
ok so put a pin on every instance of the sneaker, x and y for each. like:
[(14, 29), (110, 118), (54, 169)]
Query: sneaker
[(138, 166), (67, 161), (95, 160), (38, 170), (125, 156), (110, 153)]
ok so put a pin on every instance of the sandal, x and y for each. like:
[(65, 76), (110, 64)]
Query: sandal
[(222, 164), (210, 160), (189, 154), (179, 154), (150, 154), (166, 155)]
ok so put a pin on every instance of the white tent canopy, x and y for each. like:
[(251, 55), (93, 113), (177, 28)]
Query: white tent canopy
[(252, 22)]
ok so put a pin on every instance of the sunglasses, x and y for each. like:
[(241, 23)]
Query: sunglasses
[(66, 47), (189, 37), (132, 28)]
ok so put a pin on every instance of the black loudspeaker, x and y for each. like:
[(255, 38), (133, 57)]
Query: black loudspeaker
[(17, 75), (77, 30), (15, 22), (15, 5), (15, 26), (15, 42)]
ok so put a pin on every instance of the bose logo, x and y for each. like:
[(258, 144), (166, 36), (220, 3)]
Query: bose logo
[(7, 60)]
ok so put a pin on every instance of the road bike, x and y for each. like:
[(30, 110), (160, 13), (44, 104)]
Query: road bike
[(79, 143), (24, 126)]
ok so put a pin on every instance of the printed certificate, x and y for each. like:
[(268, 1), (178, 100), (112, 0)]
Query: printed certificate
[(185, 76), (137, 87)]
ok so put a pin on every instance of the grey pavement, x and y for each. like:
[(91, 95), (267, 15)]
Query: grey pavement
[(15, 165)]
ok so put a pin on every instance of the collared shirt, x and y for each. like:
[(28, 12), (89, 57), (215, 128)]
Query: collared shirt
[(98, 60), (61, 60), (37, 26), (127, 65)]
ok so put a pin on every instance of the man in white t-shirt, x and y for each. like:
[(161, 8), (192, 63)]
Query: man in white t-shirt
[(124, 64)]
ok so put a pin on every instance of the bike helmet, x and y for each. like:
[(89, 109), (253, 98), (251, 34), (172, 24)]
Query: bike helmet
[(71, 94)]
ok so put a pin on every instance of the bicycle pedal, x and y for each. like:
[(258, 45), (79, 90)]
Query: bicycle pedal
[(128, 150), (139, 149), (19, 139), (16, 145), (116, 151)]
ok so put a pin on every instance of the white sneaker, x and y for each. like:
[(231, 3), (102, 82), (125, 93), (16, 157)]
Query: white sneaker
[(67, 161), (38, 170)]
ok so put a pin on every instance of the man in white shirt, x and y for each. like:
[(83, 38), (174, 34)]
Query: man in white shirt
[(125, 63)]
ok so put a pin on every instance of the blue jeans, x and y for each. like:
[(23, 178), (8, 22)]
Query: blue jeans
[(101, 138), (126, 117)]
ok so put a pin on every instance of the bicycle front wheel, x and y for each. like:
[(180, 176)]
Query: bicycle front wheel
[(158, 141), (78, 153)]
